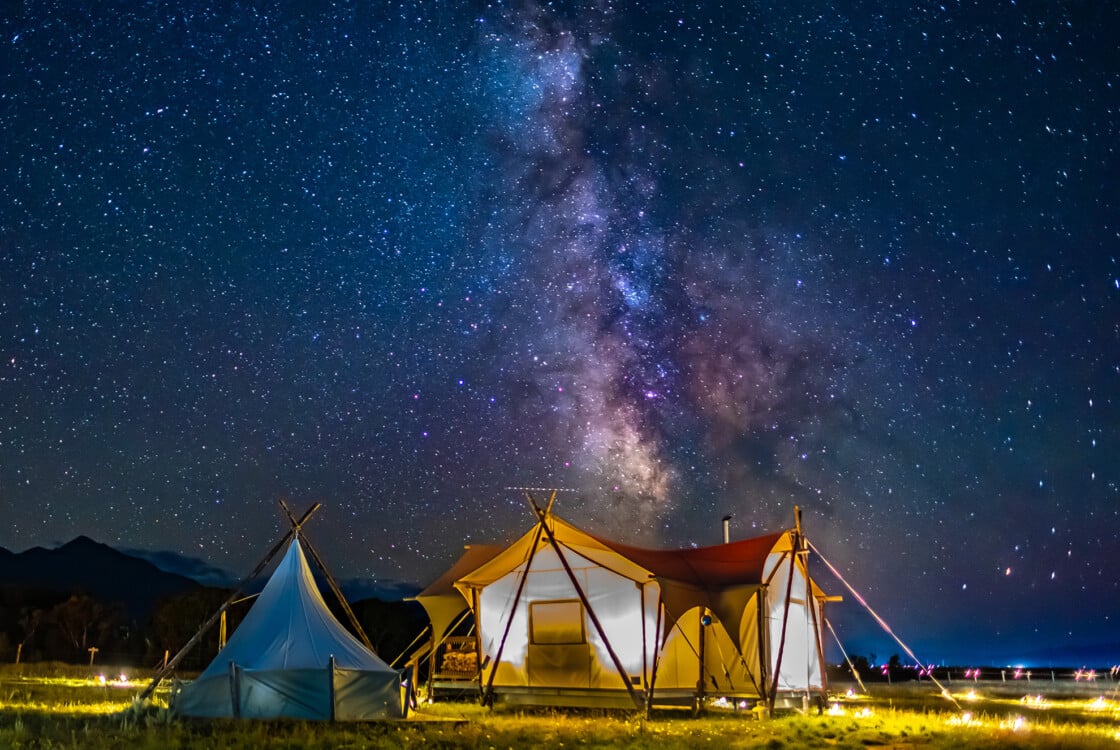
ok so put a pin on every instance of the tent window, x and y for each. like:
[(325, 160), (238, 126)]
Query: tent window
[(556, 622)]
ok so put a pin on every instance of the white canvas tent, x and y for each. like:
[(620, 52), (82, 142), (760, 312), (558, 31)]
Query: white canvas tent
[(291, 658), (568, 618)]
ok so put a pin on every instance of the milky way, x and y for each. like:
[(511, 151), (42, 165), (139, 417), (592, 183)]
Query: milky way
[(680, 263)]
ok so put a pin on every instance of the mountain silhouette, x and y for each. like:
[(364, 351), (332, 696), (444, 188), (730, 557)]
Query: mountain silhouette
[(354, 589), (84, 566)]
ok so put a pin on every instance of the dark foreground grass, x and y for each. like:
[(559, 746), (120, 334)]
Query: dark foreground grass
[(75, 711)]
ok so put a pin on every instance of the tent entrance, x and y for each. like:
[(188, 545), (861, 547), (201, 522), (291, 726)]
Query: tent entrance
[(558, 654)]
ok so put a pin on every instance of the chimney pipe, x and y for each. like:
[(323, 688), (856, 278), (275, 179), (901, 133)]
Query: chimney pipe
[(726, 529)]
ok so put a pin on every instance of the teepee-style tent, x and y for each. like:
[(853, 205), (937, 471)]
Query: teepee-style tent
[(291, 658), (568, 618)]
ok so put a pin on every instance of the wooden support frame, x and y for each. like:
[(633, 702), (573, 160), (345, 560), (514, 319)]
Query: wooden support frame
[(486, 695), (332, 583), (785, 623), (658, 645)]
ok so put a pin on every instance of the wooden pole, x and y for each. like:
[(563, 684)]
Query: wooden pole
[(477, 643), (656, 655), (234, 691), (763, 641), (785, 623), (645, 642), (330, 686), (393, 663), (700, 646), (487, 695), (638, 702), (813, 604), (333, 584)]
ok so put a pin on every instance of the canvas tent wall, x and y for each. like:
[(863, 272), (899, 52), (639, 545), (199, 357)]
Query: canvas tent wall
[(568, 618), (446, 610), (291, 658)]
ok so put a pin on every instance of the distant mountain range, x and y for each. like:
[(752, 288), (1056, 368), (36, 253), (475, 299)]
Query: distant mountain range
[(355, 589), (190, 567), (85, 566), (139, 579)]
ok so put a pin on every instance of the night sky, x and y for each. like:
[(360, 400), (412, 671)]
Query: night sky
[(679, 260)]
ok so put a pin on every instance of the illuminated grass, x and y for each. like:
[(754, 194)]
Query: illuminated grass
[(77, 711)]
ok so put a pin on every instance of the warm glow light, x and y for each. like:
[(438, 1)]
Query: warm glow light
[(101, 679), (1015, 725), (836, 710), (863, 713), (972, 696)]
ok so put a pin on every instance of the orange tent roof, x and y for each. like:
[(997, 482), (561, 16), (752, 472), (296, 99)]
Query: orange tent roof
[(709, 568)]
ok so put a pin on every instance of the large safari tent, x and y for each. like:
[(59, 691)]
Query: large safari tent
[(568, 618)]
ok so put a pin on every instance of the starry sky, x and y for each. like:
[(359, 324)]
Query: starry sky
[(680, 260)]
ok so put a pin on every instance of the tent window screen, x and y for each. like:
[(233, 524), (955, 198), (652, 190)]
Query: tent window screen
[(556, 622)]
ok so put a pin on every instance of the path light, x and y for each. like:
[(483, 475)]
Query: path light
[(965, 719)]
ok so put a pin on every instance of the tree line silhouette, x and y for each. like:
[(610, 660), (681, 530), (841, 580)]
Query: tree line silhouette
[(42, 625)]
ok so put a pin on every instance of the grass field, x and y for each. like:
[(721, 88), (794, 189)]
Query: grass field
[(66, 707)]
